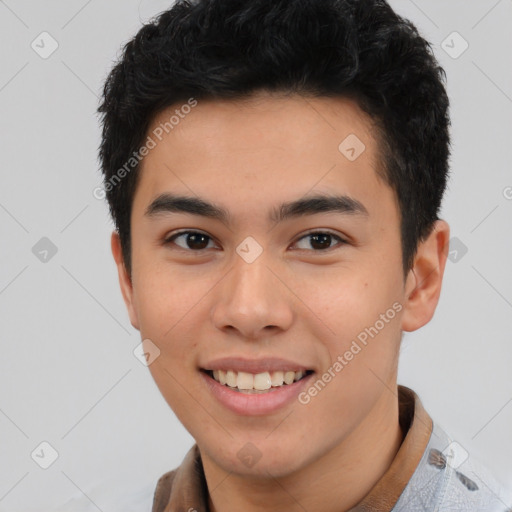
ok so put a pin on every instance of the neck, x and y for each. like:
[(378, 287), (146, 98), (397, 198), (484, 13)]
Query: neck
[(336, 482)]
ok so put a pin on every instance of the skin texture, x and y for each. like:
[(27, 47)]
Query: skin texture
[(294, 301)]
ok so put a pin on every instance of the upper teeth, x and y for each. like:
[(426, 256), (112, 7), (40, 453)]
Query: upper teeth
[(259, 381)]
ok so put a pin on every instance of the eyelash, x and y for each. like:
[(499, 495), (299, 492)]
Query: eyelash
[(341, 241)]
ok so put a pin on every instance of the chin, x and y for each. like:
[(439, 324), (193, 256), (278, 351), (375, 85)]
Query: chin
[(250, 461)]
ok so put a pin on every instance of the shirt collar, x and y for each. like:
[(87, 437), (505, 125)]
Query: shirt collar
[(185, 488)]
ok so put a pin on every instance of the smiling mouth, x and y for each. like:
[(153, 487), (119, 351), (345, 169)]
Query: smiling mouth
[(250, 383)]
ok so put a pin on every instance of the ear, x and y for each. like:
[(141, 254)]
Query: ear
[(423, 283), (125, 281)]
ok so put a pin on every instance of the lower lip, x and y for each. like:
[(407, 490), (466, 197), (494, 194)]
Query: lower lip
[(256, 404)]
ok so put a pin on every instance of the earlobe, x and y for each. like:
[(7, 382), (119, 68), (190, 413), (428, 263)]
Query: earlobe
[(423, 283), (125, 281)]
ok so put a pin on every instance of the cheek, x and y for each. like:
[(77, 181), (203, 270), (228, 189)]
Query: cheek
[(350, 302), (363, 313), (164, 296)]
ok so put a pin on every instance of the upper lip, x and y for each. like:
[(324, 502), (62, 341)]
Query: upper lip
[(268, 364)]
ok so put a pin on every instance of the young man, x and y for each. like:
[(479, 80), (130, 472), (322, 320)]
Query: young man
[(275, 170)]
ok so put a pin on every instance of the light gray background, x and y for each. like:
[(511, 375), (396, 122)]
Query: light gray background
[(68, 375)]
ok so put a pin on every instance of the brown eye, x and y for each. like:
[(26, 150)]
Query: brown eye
[(320, 241), (190, 240)]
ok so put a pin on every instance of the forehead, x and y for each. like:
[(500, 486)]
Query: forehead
[(265, 119), (256, 147)]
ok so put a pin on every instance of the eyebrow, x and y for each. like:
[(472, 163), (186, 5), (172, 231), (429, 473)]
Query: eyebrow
[(319, 203)]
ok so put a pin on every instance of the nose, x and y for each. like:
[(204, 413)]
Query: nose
[(252, 300)]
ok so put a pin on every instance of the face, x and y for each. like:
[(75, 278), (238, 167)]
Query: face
[(260, 248)]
